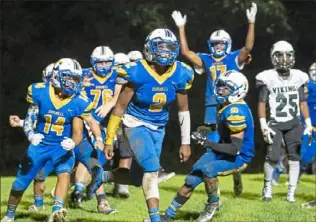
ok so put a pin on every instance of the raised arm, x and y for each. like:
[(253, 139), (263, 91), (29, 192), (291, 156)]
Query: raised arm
[(250, 39), (185, 51)]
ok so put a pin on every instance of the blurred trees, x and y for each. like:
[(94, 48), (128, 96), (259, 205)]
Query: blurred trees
[(34, 34)]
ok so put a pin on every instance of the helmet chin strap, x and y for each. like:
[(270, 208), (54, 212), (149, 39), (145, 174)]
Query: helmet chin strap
[(284, 72)]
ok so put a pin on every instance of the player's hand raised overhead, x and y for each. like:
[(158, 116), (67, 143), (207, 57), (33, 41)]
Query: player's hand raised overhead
[(179, 19), (251, 13)]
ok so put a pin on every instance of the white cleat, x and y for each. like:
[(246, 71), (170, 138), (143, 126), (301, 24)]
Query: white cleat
[(52, 193), (34, 208), (164, 177), (7, 219), (290, 194), (267, 193), (58, 216)]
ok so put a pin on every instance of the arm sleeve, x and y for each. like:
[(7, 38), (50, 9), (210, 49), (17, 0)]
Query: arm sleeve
[(232, 148), (30, 119), (263, 91), (31, 94), (302, 94)]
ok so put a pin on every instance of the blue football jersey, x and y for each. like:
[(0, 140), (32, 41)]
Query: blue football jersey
[(235, 118), (214, 67), (55, 116), (154, 92), (102, 90), (311, 101)]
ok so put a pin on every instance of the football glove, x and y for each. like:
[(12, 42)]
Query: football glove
[(178, 19), (35, 138), (251, 13), (68, 144), (198, 138), (267, 132)]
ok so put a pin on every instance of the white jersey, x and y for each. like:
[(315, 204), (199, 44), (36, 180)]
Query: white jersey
[(283, 93)]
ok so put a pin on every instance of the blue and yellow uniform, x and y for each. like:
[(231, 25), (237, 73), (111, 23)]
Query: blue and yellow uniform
[(148, 111), (233, 118), (214, 67), (308, 148), (100, 93), (54, 123)]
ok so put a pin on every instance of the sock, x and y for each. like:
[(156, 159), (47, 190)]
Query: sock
[(211, 189), (294, 168), (106, 176), (11, 210), (39, 200), (175, 205), (268, 173), (100, 197), (154, 214), (79, 186), (58, 204)]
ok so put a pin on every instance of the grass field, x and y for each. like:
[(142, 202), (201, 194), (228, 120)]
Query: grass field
[(248, 207)]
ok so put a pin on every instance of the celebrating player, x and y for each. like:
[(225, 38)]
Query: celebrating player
[(152, 85), (283, 88), (218, 61), (54, 106), (235, 130)]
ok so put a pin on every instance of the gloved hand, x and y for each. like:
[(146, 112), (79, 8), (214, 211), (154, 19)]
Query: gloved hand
[(178, 19), (251, 13), (35, 138), (68, 144)]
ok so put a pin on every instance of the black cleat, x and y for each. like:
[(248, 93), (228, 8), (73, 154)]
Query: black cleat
[(76, 199)]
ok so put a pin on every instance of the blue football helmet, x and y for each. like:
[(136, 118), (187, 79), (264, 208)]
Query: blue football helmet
[(162, 47), (67, 76), (102, 60), (231, 87), (219, 36)]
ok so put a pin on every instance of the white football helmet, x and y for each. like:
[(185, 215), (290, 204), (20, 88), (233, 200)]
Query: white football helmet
[(48, 72), (121, 59), (162, 47), (102, 60), (216, 37), (283, 57), (231, 86), (67, 76), (135, 56), (312, 72)]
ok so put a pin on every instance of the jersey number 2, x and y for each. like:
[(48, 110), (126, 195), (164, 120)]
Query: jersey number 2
[(57, 127), (160, 99), (282, 100)]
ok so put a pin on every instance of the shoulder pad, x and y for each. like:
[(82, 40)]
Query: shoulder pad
[(128, 71), (264, 76), (235, 119)]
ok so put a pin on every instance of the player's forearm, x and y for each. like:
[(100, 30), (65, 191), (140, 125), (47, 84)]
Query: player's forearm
[(117, 91), (232, 148), (95, 128), (304, 110), (77, 130), (31, 117), (261, 110), (250, 39)]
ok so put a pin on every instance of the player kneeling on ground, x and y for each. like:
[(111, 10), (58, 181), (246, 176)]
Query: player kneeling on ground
[(233, 154)]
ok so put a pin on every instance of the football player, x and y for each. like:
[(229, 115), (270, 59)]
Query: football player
[(233, 154), (308, 150), (219, 59), (38, 184), (283, 88), (55, 107), (103, 92), (152, 85)]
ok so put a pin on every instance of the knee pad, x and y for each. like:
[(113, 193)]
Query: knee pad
[(193, 179), (150, 185)]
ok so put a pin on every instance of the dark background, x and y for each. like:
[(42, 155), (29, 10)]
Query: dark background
[(37, 33)]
